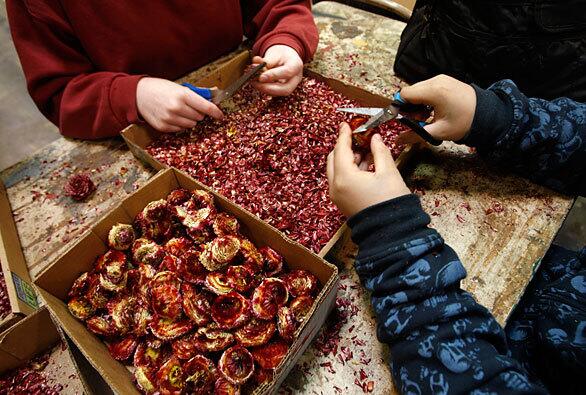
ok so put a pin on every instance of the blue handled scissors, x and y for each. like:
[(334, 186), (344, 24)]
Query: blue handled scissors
[(216, 95), (378, 116)]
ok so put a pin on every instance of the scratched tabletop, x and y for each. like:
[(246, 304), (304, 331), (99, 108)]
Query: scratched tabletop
[(500, 225)]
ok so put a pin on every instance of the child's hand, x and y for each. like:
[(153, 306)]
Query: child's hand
[(352, 188), (169, 107), (454, 105), (285, 70)]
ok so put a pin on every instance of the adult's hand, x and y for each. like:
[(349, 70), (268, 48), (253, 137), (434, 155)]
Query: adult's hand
[(169, 107), (453, 102), (352, 187), (284, 71)]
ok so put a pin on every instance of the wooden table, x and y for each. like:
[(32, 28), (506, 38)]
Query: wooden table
[(500, 249)]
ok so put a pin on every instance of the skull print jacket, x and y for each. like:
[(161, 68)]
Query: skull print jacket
[(441, 340)]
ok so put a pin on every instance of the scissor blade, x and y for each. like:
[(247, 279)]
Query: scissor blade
[(239, 83), (383, 116), (370, 111)]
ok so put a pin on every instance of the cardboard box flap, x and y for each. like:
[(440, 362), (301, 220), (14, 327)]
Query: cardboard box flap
[(23, 301), (15, 350), (93, 348)]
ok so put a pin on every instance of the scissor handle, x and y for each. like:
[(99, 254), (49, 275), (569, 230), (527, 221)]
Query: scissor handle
[(417, 127), (206, 93), (405, 106)]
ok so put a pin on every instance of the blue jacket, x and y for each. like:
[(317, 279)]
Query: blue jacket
[(441, 340)]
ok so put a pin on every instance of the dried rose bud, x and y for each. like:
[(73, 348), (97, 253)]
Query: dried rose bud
[(80, 285), (170, 379), (184, 347), (178, 246), (270, 355), (150, 357), (268, 297), (121, 237), (166, 296), (236, 365), (167, 329), (255, 332), (225, 224), (240, 278), (286, 324), (300, 283), (96, 294), (123, 349), (200, 375), (178, 196), (111, 256), (203, 198), (230, 310), (196, 304), (142, 318), (191, 269), (81, 308), (224, 387), (213, 339), (225, 249), (121, 310), (79, 186), (101, 325), (217, 282), (170, 263), (272, 261), (252, 256), (147, 252), (300, 307), (156, 211)]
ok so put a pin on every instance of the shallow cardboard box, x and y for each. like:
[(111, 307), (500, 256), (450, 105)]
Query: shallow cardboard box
[(138, 137), (23, 300), (34, 335), (56, 280)]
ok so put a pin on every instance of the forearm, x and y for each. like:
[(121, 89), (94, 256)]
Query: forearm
[(544, 141), (440, 338), (272, 22)]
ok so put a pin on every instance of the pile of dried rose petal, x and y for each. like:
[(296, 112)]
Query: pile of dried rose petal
[(29, 379), (194, 305), (269, 155)]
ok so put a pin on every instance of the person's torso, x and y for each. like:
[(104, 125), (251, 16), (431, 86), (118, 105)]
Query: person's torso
[(163, 39)]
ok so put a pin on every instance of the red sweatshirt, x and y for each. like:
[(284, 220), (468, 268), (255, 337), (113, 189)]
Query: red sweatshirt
[(83, 58)]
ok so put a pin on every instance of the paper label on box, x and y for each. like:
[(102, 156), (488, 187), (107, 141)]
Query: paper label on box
[(25, 291)]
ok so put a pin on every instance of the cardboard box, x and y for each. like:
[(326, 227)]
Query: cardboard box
[(34, 335), (54, 283), (138, 137), (23, 300)]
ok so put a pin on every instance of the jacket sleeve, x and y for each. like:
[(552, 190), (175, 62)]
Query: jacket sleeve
[(61, 80), (288, 22), (440, 339), (542, 140)]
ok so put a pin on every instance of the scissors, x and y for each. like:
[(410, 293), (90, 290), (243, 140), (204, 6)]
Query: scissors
[(378, 116), (216, 95)]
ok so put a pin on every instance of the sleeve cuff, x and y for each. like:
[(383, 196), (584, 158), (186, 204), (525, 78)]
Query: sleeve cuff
[(123, 99), (289, 40), (493, 117), (392, 221)]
